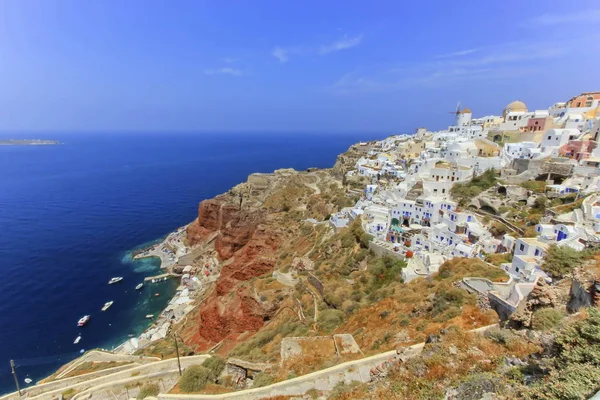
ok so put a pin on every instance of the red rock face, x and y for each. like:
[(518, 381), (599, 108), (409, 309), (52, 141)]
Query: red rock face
[(247, 244)]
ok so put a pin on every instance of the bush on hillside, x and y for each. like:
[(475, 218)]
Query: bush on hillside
[(330, 319), (149, 389), (545, 319), (576, 372), (580, 342), (464, 192), (194, 378), (534, 186), (446, 298), (386, 270), (365, 238), (262, 379), (540, 203), (215, 366), (561, 261)]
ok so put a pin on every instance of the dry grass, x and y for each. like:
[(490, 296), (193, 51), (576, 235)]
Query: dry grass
[(444, 365)]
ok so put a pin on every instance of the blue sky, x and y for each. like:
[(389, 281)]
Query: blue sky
[(380, 66)]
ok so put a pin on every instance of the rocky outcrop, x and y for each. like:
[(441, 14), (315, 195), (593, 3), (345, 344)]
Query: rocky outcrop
[(246, 227), (582, 290), (542, 296)]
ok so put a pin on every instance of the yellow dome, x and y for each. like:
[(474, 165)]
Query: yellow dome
[(466, 111), (516, 106)]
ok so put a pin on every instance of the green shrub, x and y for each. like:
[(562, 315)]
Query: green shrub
[(361, 255), (215, 366), (540, 203), (534, 186), (194, 378), (580, 343), (576, 371), (330, 319), (149, 389), (262, 379), (545, 319), (445, 298), (464, 192), (498, 335), (575, 382), (365, 238), (385, 270), (474, 387), (561, 261)]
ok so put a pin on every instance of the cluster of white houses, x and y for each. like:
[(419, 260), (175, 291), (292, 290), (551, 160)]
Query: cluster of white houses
[(407, 206)]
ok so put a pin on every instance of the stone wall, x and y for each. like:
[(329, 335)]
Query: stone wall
[(382, 251)]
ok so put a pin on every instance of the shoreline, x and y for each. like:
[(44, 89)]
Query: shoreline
[(170, 252)]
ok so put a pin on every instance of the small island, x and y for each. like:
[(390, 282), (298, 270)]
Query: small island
[(27, 142)]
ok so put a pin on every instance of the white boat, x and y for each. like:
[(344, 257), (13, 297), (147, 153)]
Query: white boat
[(139, 286), (77, 339), (107, 305), (83, 320), (150, 316), (28, 380), (115, 280)]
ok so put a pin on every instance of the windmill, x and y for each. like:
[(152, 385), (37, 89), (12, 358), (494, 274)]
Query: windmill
[(457, 109)]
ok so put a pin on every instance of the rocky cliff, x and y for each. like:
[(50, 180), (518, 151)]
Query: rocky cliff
[(246, 227)]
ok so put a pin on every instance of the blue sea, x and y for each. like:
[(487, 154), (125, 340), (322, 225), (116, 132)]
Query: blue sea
[(71, 214)]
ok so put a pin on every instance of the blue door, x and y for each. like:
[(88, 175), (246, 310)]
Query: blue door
[(560, 236)]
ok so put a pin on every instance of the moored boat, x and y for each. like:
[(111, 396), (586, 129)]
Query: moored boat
[(77, 339), (28, 380), (115, 280), (107, 305), (139, 286), (83, 320), (150, 316)]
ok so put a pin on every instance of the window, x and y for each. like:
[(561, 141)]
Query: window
[(537, 252), (522, 247), (549, 137)]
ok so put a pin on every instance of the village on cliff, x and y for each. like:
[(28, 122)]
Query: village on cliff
[(540, 159)]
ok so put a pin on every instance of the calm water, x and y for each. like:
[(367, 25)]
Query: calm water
[(69, 215)]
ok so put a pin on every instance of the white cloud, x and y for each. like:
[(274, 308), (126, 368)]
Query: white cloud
[(587, 16), (458, 53), (281, 54), (342, 44), (499, 62), (224, 71)]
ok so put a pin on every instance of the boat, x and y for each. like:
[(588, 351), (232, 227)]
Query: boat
[(115, 280), (28, 380), (77, 339), (139, 286), (83, 320), (107, 305), (156, 294), (150, 316)]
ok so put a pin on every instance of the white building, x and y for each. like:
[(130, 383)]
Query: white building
[(559, 137)]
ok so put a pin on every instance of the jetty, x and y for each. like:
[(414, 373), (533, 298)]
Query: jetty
[(159, 278)]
